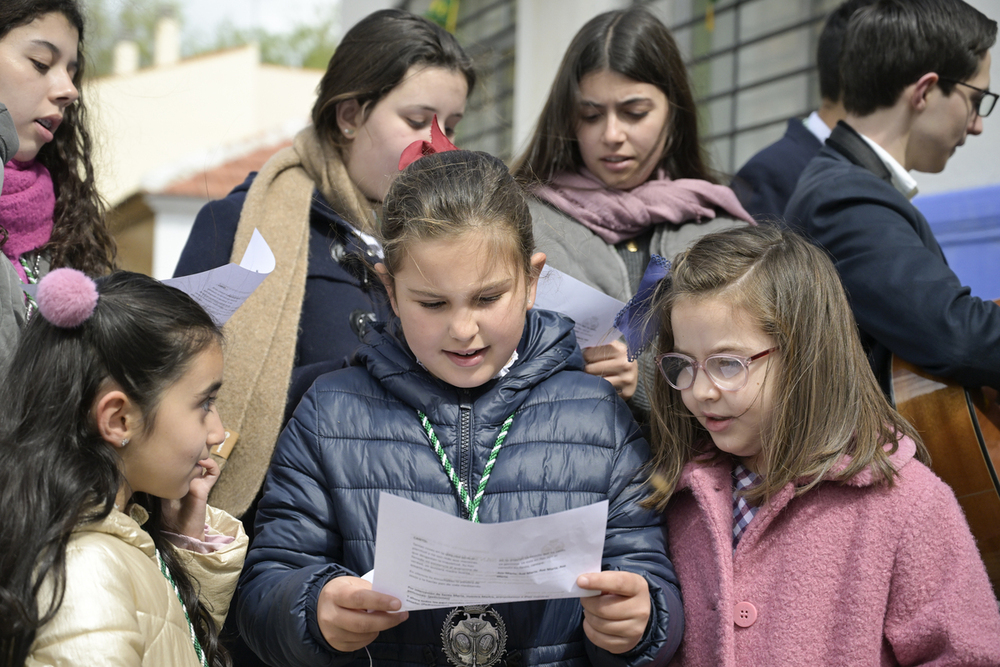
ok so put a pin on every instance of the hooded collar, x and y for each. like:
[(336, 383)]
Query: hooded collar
[(548, 345), (126, 527)]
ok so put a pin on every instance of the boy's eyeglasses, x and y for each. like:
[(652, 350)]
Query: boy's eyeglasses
[(987, 100), (728, 372)]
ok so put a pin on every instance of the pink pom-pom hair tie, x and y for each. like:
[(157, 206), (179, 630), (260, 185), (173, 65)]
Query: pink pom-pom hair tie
[(66, 298)]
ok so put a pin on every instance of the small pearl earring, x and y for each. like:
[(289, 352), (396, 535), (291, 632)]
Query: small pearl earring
[(348, 132)]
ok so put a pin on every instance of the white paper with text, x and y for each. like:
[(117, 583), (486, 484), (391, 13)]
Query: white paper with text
[(591, 310), (428, 559), (222, 290)]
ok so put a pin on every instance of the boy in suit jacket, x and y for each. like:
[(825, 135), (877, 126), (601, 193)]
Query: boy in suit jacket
[(911, 102), (766, 182)]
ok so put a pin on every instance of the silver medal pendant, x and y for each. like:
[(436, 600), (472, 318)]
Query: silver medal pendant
[(474, 636)]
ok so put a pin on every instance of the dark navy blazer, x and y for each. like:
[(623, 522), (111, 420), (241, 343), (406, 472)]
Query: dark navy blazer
[(906, 299), (766, 182), (342, 295)]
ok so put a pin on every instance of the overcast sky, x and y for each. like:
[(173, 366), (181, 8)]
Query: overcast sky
[(201, 17)]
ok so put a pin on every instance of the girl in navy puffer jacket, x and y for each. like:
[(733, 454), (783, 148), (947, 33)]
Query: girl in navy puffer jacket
[(467, 357)]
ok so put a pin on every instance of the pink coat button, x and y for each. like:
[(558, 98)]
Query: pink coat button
[(745, 614)]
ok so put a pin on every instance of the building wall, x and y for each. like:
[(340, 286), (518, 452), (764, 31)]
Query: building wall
[(161, 118), (174, 219), (352, 12), (132, 223)]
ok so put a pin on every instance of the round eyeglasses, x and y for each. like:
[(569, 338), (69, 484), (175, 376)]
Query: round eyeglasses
[(728, 372)]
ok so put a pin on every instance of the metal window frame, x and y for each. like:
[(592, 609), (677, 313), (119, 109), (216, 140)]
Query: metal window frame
[(732, 131)]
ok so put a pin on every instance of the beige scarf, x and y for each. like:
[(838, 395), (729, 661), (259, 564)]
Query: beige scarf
[(262, 335)]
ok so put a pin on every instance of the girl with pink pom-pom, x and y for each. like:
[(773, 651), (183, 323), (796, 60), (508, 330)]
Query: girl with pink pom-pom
[(50, 212), (109, 553)]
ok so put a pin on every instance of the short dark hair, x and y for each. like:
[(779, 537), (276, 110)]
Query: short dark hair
[(892, 43), (830, 45), (635, 44), (373, 58)]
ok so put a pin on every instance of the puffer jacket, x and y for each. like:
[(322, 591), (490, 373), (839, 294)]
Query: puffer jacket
[(356, 434), (119, 609)]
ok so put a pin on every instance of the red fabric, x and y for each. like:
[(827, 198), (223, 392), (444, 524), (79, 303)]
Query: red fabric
[(418, 149)]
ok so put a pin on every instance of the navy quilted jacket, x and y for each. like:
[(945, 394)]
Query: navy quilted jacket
[(356, 433)]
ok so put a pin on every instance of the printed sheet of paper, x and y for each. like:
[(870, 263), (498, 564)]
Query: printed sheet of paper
[(428, 559), (592, 310), (221, 291)]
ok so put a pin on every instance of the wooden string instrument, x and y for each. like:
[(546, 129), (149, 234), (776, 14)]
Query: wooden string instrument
[(961, 428)]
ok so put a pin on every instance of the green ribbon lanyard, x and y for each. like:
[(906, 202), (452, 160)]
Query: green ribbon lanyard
[(471, 507), (202, 658), (31, 273)]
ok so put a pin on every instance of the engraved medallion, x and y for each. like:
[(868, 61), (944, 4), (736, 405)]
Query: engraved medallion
[(474, 636)]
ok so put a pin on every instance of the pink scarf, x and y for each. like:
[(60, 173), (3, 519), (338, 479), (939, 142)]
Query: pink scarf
[(26, 207), (619, 215)]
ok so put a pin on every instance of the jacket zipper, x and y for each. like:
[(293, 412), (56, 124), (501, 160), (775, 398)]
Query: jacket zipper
[(465, 451)]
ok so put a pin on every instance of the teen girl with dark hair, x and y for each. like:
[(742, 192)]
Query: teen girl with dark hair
[(316, 204), (617, 167), (108, 552), (50, 213)]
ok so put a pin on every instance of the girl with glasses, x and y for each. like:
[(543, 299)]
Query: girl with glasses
[(804, 526)]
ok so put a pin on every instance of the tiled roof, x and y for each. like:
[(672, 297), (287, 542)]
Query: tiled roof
[(215, 183)]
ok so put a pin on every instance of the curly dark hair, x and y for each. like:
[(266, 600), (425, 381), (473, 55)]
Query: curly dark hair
[(80, 236)]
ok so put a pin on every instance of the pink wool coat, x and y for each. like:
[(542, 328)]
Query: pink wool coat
[(846, 574)]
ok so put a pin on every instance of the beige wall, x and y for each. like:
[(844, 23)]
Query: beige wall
[(163, 118)]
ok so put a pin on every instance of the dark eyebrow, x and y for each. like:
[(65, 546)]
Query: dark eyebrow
[(426, 107), (214, 387), (623, 103), (56, 52)]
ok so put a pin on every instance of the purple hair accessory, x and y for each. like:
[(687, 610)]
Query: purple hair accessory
[(635, 320), (66, 298)]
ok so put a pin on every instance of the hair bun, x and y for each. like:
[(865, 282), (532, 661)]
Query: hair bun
[(66, 298)]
